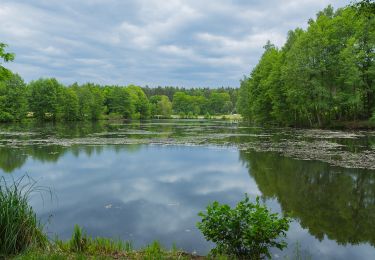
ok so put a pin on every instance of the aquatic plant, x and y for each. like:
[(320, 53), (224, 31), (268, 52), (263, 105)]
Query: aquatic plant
[(79, 241), (19, 227), (247, 231)]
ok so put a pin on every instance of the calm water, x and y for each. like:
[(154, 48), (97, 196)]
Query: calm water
[(146, 181)]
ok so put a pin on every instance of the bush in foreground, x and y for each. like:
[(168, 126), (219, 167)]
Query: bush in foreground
[(247, 231), (19, 227)]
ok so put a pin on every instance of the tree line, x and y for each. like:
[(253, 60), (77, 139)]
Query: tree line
[(322, 74), (49, 100)]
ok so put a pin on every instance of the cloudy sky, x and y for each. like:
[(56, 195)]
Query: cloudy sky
[(147, 42)]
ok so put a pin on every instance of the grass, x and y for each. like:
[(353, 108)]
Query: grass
[(102, 248), (19, 227)]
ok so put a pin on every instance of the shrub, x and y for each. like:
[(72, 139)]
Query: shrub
[(247, 231), (19, 228)]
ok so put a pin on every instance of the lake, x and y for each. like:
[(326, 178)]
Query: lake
[(145, 181)]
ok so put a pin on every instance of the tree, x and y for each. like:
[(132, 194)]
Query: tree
[(13, 101), (91, 101), (44, 95), (140, 102), (184, 103), (6, 57), (161, 105), (219, 103), (118, 100), (322, 74), (68, 108)]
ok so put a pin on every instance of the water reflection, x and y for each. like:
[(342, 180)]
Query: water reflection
[(139, 193), (328, 201)]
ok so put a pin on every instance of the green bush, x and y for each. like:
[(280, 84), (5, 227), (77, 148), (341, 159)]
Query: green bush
[(247, 231), (19, 227)]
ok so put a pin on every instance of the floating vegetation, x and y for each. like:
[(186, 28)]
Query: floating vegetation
[(317, 150), (327, 134), (347, 149), (4, 133)]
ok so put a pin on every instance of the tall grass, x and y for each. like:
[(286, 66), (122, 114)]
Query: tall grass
[(82, 243), (19, 227)]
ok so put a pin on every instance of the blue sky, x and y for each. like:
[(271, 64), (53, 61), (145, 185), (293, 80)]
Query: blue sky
[(191, 43)]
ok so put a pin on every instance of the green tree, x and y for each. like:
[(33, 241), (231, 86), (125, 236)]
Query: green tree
[(118, 100), (322, 74), (13, 100), (219, 103), (91, 101), (184, 103), (68, 108), (140, 102), (44, 95), (161, 105), (6, 57)]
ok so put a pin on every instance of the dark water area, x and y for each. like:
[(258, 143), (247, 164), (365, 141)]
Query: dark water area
[(147, 181)]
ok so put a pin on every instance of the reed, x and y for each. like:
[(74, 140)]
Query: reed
[(19, 227)]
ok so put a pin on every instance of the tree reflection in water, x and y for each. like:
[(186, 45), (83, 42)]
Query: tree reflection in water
[(326, 200)]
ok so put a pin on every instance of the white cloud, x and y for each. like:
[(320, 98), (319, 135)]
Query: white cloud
[(172, 42)]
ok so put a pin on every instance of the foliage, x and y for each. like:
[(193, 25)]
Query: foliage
[(118, 101), (142, 109), (13, 101), (44, 97), (215, 103), (19, 228), (6, 57), (49, 100), (322, 74), (198, 92), (247, 231), (68, 109), (161, 106), (219, 103)]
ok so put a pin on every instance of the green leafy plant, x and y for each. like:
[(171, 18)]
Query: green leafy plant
[(247, 231)]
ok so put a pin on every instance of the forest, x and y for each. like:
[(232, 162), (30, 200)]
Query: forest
[(323, 74), (47, 99)]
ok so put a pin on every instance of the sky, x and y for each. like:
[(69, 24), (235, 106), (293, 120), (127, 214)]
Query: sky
[(187, 43)]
